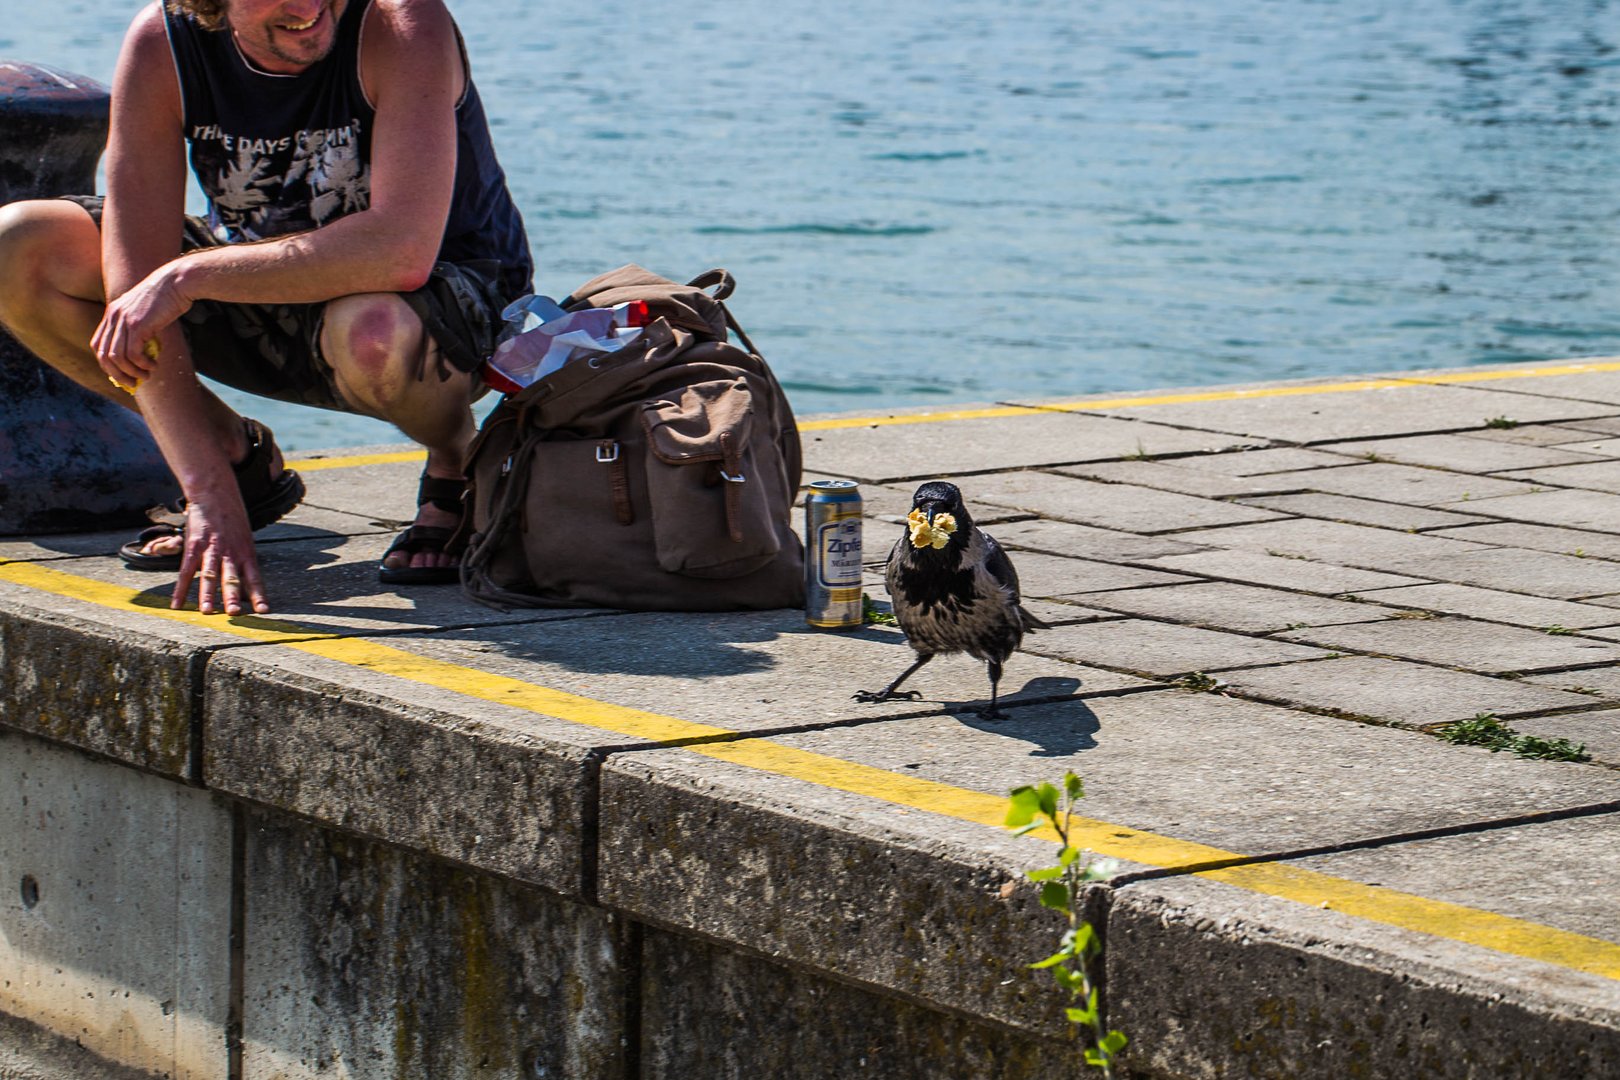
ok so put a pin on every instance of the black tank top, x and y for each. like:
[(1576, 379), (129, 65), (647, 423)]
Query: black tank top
[(278, 154)]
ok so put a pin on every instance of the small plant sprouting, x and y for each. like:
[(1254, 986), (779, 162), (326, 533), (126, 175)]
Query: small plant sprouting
[(1484, 729), (1141, 453), (1199, 683), (1501, 423), (1579, 553), (1414, 613), (871, 613), (1556, 630), (1062, 889)]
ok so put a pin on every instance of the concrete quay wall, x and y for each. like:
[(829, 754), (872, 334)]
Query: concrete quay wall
[(381, 835)]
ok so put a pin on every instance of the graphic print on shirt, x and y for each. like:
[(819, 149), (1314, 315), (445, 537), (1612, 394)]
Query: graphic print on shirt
[(262, 188)]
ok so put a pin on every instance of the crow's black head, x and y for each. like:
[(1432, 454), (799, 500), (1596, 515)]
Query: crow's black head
[(939, 504), (936, 496)]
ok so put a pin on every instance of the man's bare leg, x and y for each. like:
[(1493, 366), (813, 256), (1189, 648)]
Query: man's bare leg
[(376, 344)]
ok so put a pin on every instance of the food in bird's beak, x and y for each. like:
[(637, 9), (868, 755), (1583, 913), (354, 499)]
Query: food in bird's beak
[(934, 532)]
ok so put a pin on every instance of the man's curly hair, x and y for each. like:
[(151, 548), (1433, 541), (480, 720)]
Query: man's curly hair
[(208, 14)]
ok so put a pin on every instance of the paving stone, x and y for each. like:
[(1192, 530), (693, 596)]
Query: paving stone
[(1162, 650), (1113, 506), (1575, 509), (1598, 386), (384, 491), (1464, 453), (1603, 682), (1540, 573), (1555, 873), (1608, 448), (1402, 484), (1086, 541), (1053, 575), (1237, 775), (1492, 604), (1608, 425), (1283, 572), (1182, 476), (1058, 613), (1314, 411), (1598, 732), (882, 453), (1577, 542), (1224, 605), (1594, 476), (1397, 691), (1462, 643), (1385, 515), (1333, 542), (1263, 461), (1567, 434)]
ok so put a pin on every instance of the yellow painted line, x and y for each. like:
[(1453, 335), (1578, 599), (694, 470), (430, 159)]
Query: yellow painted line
[(1388, 906), (316, 464), (1488, 375), (996, 413)]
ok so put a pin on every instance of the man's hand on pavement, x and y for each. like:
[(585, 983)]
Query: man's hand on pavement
[(219, 554)]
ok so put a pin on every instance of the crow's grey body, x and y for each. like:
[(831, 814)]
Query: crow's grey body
[(962, 597)]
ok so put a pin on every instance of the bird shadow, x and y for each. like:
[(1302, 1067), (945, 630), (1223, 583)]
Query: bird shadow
[(1058, 728)]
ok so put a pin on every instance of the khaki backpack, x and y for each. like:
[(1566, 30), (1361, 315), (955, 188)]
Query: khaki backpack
[(657, 478)]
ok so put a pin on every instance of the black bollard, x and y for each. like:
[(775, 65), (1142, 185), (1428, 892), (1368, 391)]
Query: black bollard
[(70, 461)]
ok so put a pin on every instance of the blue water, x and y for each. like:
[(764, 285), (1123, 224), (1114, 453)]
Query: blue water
[(960, 202)]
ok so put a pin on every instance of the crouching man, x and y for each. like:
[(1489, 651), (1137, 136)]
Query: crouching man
[(359, 246)]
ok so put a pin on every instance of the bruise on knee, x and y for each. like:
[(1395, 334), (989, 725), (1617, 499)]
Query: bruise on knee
[(374, 344)]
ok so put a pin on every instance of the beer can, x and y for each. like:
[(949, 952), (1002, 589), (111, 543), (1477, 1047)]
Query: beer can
[(832, 567)]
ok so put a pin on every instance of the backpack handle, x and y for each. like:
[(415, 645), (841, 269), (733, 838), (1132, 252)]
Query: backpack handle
[(720, 280)]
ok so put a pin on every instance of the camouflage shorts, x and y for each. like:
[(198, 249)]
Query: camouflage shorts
[(274, 350)]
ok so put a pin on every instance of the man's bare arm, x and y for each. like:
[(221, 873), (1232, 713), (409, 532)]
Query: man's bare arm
[(141, 231)]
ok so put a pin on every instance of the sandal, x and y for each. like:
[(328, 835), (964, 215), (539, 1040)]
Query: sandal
[(267, 501), (446, 495)]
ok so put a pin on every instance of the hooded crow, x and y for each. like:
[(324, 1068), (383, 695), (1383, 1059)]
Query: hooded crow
[(954, 590)]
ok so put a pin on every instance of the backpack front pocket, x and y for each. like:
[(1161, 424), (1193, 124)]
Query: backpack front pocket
[(710, 485)]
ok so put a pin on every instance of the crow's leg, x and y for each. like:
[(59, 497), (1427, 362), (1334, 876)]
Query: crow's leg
[(890, 691), (991, 712)]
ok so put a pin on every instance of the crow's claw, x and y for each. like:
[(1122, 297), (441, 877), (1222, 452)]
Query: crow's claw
[(991, 714), (873, 696)]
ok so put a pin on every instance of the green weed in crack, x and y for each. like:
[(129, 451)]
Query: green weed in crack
[(1484, 729), (1079, 953)]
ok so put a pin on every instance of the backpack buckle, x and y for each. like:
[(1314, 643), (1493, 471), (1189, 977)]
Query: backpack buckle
[(728, 478), (607, 452)]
